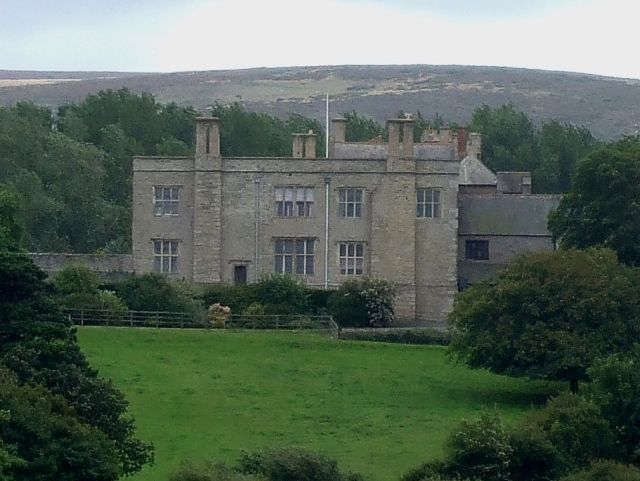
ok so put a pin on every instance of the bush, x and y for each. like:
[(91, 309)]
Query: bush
[(363, 303), (431, 471), (209, 472), (616, 390), (605, 471), (76, 279), (576, 429), (154, 292), (238, 298), (480, 449), (319, 301), (534, 457), (399, 335), (283, 294), (290, 464)]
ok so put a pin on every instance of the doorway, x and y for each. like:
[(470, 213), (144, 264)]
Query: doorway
[(239, 275)]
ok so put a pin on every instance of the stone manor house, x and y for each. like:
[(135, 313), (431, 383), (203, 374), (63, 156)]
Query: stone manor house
[(426, 215)]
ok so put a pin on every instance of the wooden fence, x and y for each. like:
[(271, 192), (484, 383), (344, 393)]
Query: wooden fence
[(183, 320)]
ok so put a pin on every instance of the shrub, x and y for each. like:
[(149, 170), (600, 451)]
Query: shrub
[(480, 449), (189, 471), (534, 456), (431, 471), (319, 300), (616, 390), (154, 292), (290, 464), (283, 294), (363, 303), (254, 309), (605, 471), (576, 429), (238, 298), (75, 279), (399, 335)]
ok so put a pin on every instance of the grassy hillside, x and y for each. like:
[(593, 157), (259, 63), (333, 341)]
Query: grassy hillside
[(378, 408), (607, 106)]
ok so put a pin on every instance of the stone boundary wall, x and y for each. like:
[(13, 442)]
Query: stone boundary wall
[(108, 266)]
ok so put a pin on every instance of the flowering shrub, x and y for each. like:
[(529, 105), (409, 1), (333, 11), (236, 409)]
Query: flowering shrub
[(363, 303), (218, 314)]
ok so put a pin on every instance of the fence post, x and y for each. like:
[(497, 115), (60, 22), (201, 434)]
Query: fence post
[(82, 317)]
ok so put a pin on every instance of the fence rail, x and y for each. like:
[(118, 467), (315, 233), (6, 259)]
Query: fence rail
[(183, 320)]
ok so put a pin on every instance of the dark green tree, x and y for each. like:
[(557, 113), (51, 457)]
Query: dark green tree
[(508, 138), (39, 346), (616, 389), (548, 315), (360, 128), (603, 206), (50, 442)]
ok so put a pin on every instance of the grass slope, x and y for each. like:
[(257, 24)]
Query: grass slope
[(378, 408)]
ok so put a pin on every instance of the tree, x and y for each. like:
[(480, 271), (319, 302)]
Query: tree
[(39, 347), (561, 146), (51, 443), (508, 138), (548, 315), (605, 471), (616, 389), (11, 226), (360, 128), (603, 207)]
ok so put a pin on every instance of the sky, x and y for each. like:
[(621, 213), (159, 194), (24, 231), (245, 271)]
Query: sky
[(590, 36)]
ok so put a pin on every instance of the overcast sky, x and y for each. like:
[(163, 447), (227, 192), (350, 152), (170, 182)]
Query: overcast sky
[(592, 36)]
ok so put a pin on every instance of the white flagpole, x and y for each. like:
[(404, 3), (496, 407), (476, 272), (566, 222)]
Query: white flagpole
[(326, 131)]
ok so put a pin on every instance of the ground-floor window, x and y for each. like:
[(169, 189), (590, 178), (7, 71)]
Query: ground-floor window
[(165, 256), (351, 258), (294, 256), (477, 250)]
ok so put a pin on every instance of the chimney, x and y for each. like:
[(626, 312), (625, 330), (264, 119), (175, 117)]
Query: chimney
[(407, 139), (474, 145), (298, 145), (310, 145), (339, 129), (462, 138), (513, 182), (207, 136), (393, 126)]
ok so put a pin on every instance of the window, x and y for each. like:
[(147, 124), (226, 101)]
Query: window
[(428, 203), (477, 250), (351, 258), (294, 256), (294, 201), (166, 200), (350, 202), (165, 256)]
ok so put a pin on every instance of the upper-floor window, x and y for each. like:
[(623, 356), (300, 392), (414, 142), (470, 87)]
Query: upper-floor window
[(350, 202), (166, 200), (428, 203), (294, 201), (351, 258), (477, 250), (165, 256), (294, 256)]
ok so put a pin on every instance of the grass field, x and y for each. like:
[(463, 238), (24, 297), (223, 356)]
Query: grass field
[(378, 408)]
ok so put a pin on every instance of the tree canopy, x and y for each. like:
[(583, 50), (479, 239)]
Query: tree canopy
[(603, 207), (548, 315), (511, 141), (63, 420)]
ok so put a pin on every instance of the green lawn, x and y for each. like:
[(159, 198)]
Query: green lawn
[(378, 408)]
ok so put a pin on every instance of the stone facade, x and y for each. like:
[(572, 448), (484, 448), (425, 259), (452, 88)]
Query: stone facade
[(355, 213)]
